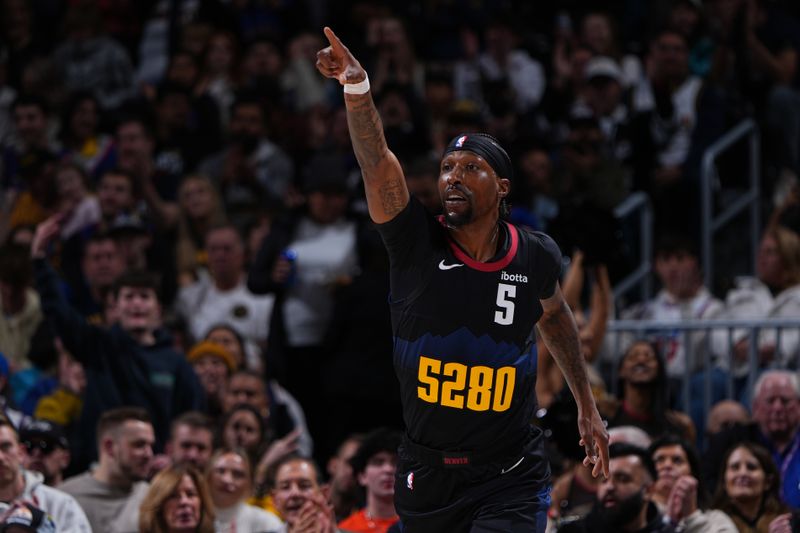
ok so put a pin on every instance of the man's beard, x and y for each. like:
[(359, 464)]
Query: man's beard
[(624, 512), (129, 472), (457, 219)]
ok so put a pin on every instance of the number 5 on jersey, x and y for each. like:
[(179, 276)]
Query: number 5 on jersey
[(505, 315)]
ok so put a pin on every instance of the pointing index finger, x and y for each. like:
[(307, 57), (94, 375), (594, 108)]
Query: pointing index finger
[(334, 41)]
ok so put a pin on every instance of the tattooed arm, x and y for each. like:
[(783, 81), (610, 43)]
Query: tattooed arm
[(560, 335), (384, 182)]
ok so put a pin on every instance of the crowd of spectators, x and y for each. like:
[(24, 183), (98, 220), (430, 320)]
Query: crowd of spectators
[(195, 332)]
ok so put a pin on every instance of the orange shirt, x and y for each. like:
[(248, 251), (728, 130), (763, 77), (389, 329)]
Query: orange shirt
[(359, 523)]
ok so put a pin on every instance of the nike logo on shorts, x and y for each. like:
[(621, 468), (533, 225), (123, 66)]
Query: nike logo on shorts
[(507, 470), (443, 266)]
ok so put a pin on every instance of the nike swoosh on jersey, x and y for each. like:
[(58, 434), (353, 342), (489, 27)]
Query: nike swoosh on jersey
[(507, 470), (443, 266)]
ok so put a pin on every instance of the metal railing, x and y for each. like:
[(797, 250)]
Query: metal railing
[(655, 329), (638, 202), (709, 180)]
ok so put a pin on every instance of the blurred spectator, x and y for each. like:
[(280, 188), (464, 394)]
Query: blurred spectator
[(60, 399), (79, 209), (748, 488), (679, 492), (24, 43), (301, 84), (263, 64), (178, 500), (117, 195), (191, 440), (213, 365), (280, 412), (20, 310), (307, 255), (101, 265), (245, 354), (218, 75), (683, 297), (200, 211), (624, 500), (181, 137), (773, 293), (112, 493), (644, 395), (724, 415), (31, 142), (404, 120), (242, 426), (20, 485), (503, 63), (299, 497), (393, 58), (775, 425), (343, 486), (157, 185), (84, 143), (46, 450), (666, 103), (589, 175), (250, 169), (132, 364), (230, 481), (629, 435), (604, 99), (599, 32), (222, 295), (375, 465), (91, 61), (422, 177), (689, 18), (534, 191)]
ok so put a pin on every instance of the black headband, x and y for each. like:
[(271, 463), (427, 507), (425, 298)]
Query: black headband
[(488, 148)]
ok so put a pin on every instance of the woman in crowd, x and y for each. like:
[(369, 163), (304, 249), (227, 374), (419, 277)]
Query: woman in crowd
[(177, 502), (679, 491), (748, 488), (84, 144), (230, 483), (199, 210), (644, 395), (243, 428)]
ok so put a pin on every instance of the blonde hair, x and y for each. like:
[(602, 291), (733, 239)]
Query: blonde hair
[(163, 486), (189, 233)]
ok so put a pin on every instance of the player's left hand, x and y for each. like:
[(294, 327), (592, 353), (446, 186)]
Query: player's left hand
[(594, 439)]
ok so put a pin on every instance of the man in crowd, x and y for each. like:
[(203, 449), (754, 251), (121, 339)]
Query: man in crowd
[(112, 493), (47, 450), (191, 440), (374, 465), (224, 297), (298, 495), (250, 167), (776, 421), (133, 363), (624, 499), (18, 484)]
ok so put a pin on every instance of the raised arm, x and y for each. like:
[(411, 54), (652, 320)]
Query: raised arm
[(384, 182), (560, 334)]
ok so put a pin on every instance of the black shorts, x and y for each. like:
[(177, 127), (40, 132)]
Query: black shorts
[(510, 495)]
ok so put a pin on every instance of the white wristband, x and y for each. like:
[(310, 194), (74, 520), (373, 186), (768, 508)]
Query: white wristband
[(361, 87)]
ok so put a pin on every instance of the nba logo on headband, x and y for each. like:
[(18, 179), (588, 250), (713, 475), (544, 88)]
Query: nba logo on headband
[(461, 140)]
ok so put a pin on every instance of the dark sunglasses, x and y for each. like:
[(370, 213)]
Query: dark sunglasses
[(45, 446)]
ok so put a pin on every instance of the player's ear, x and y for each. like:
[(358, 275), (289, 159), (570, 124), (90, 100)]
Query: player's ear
[(503, 187)]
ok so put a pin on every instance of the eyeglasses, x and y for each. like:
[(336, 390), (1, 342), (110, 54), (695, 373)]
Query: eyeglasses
[(44, 446)]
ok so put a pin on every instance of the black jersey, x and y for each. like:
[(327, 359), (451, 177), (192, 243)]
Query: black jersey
[(464, 346)]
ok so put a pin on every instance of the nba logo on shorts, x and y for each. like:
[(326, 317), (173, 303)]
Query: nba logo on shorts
[(461, 140), (410, 481)]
